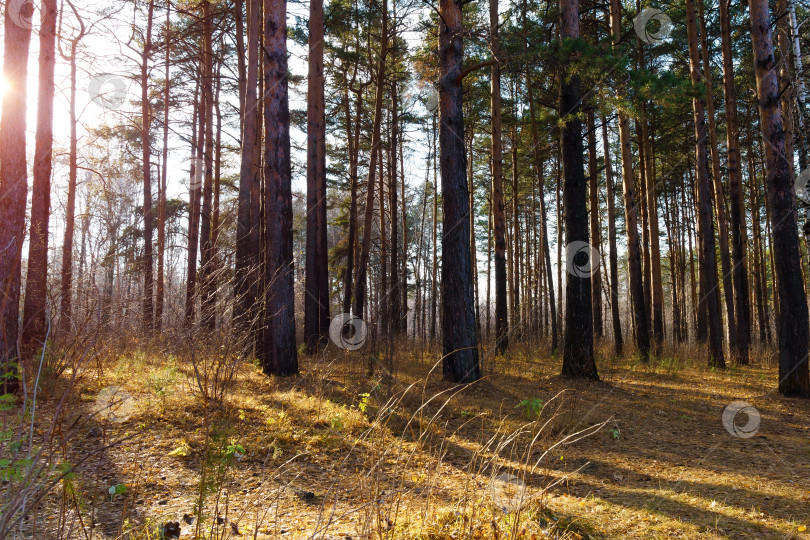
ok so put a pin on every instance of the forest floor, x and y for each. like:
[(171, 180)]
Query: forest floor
[(335, 454)]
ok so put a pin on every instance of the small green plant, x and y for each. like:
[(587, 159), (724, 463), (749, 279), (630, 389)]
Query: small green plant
[(532, 407), (116, 489), (614, 433), (365, 397)]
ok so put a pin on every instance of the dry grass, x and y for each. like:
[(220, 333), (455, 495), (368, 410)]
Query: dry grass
[(335, 454)]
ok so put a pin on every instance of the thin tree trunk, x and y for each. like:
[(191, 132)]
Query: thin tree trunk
[(394, 300), (208, 315), (501, 306), (435, 265), (539, 166), (375, 155), (596, 227), (146, 143), (161, 243), (66, 306), (657, 292), (613, 255), (709, 284), (739, 231), (195, 192), (630, 211), (719, 192)]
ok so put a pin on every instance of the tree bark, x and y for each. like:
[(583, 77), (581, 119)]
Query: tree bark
[(161, 243), (13, 182), (247, 224), (630, 210), (539, 165), (794, 333), (280, 354), (146, 142), (719, 192), (195, 192), (34, 310), (501, 306), (66, 304), (459, 340), (613, 255), (207, 305), (596, 226), (365, 248), (709, 284), (578, 358), (739, 240), (316, 298)]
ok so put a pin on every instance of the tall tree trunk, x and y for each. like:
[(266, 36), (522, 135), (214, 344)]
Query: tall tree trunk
[(146, 142), (34, 314), (578, 358), (161, 243), (739, 230), (208, 315), (13, 180), (247, 224), (374, 156), (801, 88), (613, 255), (709, 284), (515, 263), (539, 166), (280, 354), (651, 197), (394, 300), (646, 264), (66, 304), (719, 192), (435, 264), (596, 226), (316, 297), (630, 211), (214, 273), (794, 333), (196, 173), (501, 306), (354, 151), (460, 342)]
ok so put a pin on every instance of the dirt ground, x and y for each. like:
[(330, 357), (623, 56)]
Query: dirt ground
[(333, 453)]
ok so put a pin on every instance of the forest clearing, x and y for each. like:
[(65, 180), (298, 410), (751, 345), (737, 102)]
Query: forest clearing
[(331, 454)]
